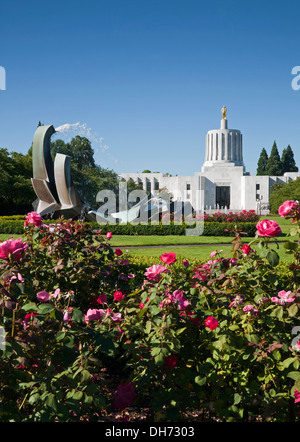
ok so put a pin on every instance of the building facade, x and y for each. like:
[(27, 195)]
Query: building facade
[(223, 183)]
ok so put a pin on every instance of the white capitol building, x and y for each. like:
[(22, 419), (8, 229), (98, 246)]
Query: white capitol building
[(223, 182)]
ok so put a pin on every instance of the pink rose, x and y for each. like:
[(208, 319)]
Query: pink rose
[(67, 315), (268, 228), (154, 272), (171, 361), (297, 396), (13, 247), (124, 396), (236, 301), (286, 207), (211, 323), (215, 252), (33, 218), (43, 296), (246, 249), (94, 314), (108, 235), (180, 299), (168, 258), (283, 297), (118, 296), (116, 317), (250, 309), (185, 263)]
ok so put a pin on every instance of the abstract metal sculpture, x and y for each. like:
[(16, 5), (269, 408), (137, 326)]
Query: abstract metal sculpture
[(52, 182)]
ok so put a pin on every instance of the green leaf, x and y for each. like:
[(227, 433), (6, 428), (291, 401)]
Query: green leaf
[(148, 327), (77, 395), (180, 330), (278, 312), (30, 306), (254, 339), (200, 381), (155, 351), (85, 376), (294, 375), (77, 315), (293, 231), (237, 398), (293, 310), (154, 310), (34, 397), (51, 401), (273, 258), (287, 362), (60, 335), (290, 245), (44, 309)]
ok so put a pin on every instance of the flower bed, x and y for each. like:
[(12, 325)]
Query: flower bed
[(88, 334)]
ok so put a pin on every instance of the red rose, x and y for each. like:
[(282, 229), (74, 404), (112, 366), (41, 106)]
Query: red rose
[(171, 361), (118, 252), (168, 258), (246, 249), (124, 395), (118, 296), (211, 323)]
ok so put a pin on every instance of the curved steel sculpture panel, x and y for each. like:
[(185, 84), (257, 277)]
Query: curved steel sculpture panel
[(52, 182)]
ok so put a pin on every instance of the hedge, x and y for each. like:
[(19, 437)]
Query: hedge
[(15, 225)]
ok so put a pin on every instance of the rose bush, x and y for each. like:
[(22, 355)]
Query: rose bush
[(218, 337)]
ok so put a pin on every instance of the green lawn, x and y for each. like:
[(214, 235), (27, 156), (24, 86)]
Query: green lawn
[(198, 247), (200, 253)]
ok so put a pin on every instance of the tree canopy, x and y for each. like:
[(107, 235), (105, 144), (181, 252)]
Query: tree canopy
[(17, 194), (281, 192), (274, 165), (262, 163)]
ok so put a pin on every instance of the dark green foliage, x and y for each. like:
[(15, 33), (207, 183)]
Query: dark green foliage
[(274, 166), (17, 193), (16, 226), (282, 192), (262, 163), (288, 161)]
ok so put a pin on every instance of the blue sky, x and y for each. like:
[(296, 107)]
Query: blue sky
[(146, 79)]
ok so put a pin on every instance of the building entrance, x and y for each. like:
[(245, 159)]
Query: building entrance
[(223, 197)]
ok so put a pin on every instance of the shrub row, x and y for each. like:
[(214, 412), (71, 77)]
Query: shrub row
[(210, 229), (14, 225)]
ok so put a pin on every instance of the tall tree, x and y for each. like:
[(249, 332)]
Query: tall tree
[(262, 163), (274, 166), (288, 161)]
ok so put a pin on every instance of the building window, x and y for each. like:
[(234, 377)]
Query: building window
[(156, 185), (188, 187), (257, 187)]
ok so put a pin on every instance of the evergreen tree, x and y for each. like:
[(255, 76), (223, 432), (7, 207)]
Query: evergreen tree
[(274, 166), (288, 161), (262, 163)]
